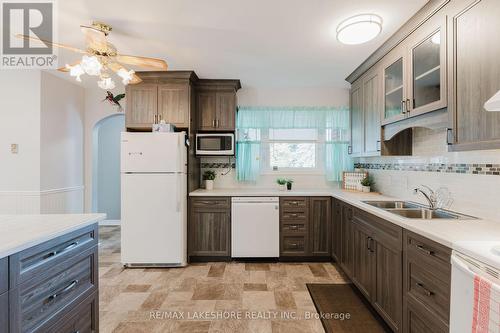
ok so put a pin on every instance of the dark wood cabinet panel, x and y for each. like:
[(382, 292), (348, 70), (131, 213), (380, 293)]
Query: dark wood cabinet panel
[(418, 319), (319, 226), (347, 248), (474, 73), (363, 273), (295, 245), (142, 105), (210, 227), (207, 110), (388, 294), (4, 275), (82, 319), (357, 119), (174, 104), (226, 111), (294, 227), (4, 312), (336, 229)]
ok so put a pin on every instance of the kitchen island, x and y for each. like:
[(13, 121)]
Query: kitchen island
[(49, 272)]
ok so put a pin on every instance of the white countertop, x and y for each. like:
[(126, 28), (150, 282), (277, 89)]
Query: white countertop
[(19, 232), (474, 234)]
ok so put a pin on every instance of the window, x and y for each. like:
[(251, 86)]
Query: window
[(292, 150)]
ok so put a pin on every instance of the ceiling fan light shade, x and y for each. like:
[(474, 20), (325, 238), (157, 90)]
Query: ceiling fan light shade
[(76, 71), (359, 29), (125, 75), (106, 83), (91, 65)]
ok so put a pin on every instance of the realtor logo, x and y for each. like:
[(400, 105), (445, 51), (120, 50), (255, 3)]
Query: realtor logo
[(34, 19)]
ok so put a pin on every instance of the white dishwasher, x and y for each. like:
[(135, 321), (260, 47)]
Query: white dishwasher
[(255, 227)]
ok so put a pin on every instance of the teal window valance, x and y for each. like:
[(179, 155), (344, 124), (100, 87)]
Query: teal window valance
[(332, 121)]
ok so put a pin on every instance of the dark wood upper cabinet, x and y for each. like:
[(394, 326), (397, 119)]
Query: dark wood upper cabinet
[(357, 119), (319, 225), (142, 105), (161, 96), (174, 104), (216, 104), (474, 73)]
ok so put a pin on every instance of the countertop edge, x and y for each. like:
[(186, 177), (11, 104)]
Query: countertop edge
[(39, 240)]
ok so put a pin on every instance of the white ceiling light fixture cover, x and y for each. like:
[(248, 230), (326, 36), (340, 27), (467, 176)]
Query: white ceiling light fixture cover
[(359, 29)]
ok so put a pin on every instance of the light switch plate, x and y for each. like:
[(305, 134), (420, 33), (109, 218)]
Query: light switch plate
[(14, 148)]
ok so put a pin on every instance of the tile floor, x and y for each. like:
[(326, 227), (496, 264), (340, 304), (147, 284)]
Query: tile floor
[(211, 297)]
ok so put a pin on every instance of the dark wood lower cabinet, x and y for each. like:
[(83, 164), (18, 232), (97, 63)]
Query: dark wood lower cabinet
[(363, 273), (4, 312), (347, 246), (319, 224), (210, 227), (83, 318), (336, 229)]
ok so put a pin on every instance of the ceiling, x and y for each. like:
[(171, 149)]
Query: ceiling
[(265, 43)]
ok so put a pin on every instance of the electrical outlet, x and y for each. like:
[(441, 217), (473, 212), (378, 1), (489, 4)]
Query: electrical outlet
[(14, 148)]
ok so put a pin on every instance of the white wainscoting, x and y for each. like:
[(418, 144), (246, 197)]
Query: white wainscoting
[(68, 200)]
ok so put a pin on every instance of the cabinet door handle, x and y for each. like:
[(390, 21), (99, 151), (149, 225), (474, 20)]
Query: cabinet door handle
[(372, 248), (368, 243), (379, 146), (217, 123), (403, 107), (408, 105), (213, 123), (425, 290), (64, 290), (426, 251)]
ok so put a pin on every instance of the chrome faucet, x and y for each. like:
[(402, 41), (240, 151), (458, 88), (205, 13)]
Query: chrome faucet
[(429, 194)]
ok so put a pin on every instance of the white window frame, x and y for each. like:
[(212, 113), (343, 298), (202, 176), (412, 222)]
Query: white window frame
[(266, 168)]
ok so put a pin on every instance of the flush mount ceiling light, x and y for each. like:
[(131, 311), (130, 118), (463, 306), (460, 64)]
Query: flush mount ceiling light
[(359, 29)]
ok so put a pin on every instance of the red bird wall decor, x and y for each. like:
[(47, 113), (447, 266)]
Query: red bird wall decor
[(114, 100)]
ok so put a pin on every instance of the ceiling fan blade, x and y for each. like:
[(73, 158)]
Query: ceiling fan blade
[(115, 67), (66, 69), (153, 63), (61, 46)]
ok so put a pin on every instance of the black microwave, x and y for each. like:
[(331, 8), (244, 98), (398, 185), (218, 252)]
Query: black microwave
[(215, 144)]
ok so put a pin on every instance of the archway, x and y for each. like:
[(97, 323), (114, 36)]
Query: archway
[(106, 166)]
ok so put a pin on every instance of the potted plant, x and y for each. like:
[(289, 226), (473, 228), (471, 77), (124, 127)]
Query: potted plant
[(208, 177), (282, 183), (289, 183), (366, 184)]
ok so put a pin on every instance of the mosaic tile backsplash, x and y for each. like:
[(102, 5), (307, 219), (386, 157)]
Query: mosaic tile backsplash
[(218, 165), (475, 169)]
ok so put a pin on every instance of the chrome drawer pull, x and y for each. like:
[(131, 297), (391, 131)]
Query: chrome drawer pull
[(67, 248), (293, 215), (294, 203), (426, 251), (426, 291), (65, 290), (294, 227)]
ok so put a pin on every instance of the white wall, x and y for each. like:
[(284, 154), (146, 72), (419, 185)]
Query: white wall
[(43, 115), (477, 195)]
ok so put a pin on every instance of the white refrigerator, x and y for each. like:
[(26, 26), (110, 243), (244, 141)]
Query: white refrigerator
[(153, 199)]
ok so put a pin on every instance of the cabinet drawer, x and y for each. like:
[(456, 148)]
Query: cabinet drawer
[(82, 319), (293, 203), (4, 275), (418, 319), (211, 202), (43, 299), (294, 215), (294, 227), (35, 260), (429, 290), (294, 245), (428, 254)]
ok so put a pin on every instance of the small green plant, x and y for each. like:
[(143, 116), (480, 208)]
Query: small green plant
[(209, 175), (289, 181), (281, 181), (367, 181)]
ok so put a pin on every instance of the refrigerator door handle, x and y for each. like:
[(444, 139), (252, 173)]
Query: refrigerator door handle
[(179, 193)]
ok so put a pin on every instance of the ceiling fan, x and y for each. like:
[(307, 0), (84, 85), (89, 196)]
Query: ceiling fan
[(101, 57)]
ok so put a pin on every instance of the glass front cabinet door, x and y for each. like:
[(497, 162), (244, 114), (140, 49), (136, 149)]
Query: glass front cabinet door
[(394, 89), (427, 55)]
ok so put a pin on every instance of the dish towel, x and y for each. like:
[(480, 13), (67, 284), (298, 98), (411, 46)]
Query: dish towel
[(486, 311)]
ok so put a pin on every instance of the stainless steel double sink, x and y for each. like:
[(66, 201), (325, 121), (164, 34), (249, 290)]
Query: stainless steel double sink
[(413, 210)]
